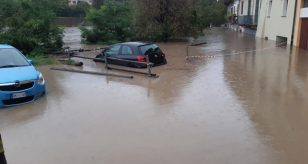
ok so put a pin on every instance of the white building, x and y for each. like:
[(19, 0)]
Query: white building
[(276, 20), (232, 11), (72, 2), (90, 2), (75, 2), (233, 8), (248, 12)]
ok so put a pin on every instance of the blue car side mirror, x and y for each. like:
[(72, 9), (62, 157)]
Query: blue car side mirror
[(30, 61)]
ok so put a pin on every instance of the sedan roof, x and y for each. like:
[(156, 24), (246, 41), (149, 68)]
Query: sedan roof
[(135, 43)]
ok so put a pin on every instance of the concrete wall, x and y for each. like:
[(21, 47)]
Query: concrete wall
[(276, 24)]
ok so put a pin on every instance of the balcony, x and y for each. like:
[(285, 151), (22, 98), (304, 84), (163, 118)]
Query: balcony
[(247, 20)]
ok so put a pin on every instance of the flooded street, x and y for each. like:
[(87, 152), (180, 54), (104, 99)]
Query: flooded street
[(240, 100)]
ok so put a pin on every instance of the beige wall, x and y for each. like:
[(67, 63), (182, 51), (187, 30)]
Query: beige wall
[(275, 24)]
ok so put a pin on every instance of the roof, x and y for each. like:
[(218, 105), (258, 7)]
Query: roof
[(135, 43), (5, 46)]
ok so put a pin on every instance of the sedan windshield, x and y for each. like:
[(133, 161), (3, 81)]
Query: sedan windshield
[(10, 57), (148, 47)]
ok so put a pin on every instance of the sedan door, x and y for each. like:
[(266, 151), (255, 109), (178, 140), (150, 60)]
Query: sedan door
[(127, 55), (112, 54)]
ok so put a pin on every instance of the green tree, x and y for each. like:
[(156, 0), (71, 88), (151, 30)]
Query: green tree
[(98, 3), (112, 22), (210, 11), (7, 8), (152, 20), (29, 25), (162, 19)]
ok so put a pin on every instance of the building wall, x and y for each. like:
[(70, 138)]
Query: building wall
[(243, 7), (276, 24)]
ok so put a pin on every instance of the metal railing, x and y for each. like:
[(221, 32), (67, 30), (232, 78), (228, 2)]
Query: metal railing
[(148, 64)]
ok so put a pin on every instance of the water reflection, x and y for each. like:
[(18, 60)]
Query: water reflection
[(273, 84)]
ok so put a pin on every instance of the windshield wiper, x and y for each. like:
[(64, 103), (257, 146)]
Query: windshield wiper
[(10, 66)]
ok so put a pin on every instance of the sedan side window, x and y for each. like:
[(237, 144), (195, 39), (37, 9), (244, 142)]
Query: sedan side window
[(126, 50), (113, 50)]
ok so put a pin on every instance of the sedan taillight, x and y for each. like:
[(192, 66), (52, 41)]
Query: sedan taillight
[(141, 58)]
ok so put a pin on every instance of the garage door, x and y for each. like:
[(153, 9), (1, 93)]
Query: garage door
[(304, 34)]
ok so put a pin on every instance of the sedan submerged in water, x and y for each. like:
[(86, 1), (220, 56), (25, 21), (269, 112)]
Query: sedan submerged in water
[(20, 81), (133, 54)]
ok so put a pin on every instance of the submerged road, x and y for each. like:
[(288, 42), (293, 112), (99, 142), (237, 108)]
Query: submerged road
[(245, 103)]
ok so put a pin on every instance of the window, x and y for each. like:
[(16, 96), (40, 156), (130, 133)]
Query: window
[(270, 2), (126, 50), (113, 50), (285, 8), (150, 47), (242, 9), (305, 3)]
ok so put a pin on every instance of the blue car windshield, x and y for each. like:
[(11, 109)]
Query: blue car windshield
[(10, 57)]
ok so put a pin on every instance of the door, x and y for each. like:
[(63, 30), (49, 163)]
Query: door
[(304, 34), (126, 53), (112, 53)]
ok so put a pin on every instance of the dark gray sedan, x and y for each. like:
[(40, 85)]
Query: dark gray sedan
[(133, 54)]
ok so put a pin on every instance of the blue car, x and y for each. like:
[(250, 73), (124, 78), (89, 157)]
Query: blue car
[(20, 81)]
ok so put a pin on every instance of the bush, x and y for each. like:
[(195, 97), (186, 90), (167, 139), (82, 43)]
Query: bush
[(73, 11)]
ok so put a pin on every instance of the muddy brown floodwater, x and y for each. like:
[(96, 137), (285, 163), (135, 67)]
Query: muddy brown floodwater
[(233, 108)]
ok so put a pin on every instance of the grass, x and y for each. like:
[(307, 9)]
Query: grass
[(39, 60), (69, 62)]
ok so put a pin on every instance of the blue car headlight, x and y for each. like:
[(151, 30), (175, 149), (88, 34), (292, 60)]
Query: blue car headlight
[(41, 80)]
